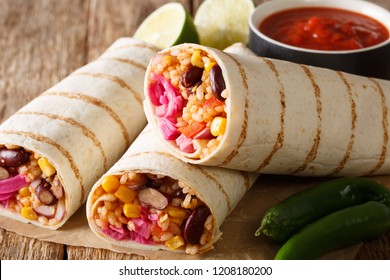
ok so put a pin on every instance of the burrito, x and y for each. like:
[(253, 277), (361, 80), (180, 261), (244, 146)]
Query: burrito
[(151, 200), (236, 110), (54, 148)]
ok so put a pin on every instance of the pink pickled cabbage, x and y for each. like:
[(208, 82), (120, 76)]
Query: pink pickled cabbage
[(155, 91), (163, 99), (125, 234), (161, 92), (161, 110), (153, 217), (168, 129), (185, 144), (121, 230), (168, 104), (143, 228), (10, 186), (144, 212)]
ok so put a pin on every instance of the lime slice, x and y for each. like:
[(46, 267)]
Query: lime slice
[(167, 26), (221, 23)]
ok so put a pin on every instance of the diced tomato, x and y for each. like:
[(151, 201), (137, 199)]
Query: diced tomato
[(192, 129), (212, 103)]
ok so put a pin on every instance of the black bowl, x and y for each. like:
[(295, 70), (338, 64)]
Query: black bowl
[(373, 61)]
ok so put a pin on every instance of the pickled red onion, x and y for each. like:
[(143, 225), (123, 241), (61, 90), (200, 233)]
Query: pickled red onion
[(9, 186), (6, 196)]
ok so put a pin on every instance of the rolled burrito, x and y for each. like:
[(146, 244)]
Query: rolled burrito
[(53, 149), (236, 110), (151, 200)]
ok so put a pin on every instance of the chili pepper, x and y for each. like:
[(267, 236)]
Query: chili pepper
[(337, 230), (286, 218)]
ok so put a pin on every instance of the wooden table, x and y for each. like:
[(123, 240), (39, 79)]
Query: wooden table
[(43, 41)]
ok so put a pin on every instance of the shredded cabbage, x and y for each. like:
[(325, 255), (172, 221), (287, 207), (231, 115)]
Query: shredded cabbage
[(168, 104), (168, 129), (185, 144), (124, 234)]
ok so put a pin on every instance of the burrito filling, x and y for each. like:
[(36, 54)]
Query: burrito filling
[(188, 93), (29, 186), (152, 209)]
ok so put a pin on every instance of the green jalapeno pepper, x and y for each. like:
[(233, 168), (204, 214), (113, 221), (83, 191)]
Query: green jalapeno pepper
[(337, 230), (300, 209)]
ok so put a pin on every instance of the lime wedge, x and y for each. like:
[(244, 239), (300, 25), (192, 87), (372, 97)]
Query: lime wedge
[(167, 26), (221, 23)]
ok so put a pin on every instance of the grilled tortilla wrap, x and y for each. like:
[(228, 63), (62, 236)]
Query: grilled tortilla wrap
[(268, 116), (53, 149), (154, 201)]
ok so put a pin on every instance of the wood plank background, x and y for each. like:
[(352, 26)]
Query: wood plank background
[(43, 41)]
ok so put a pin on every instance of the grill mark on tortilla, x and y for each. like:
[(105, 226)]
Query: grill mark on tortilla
[(114, 79), (142, 46), (280, 137), (242, 137), (317, 139), (127, 61), (96, 102), (62, 150), (220, 187), (385, 127), (353, 126), (200, 169), (88, 133), (246, 180)]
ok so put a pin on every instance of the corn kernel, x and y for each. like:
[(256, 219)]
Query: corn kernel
[(176, 221), (24, 191), (218, 126), (110, 184), (176, 212), (167, 59), (209, 65), (175, 242), (131, 210), (125, 194), (196, 59), (46, 167), (28, 213)]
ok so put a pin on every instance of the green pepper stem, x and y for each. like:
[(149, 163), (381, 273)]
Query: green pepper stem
[(259, 231)]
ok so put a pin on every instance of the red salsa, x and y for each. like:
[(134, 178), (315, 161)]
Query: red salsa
[(324, 29)]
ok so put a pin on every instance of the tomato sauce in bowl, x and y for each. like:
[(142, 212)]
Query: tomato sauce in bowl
[(323, 28)]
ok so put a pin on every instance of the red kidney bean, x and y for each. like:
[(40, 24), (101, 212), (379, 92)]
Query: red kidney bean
[(191, 77), (194, 225), (179, 193), (44, 194), (13, 157), (217, 82)]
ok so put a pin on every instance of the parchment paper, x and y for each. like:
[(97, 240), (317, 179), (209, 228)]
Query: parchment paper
[(237, 242)]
